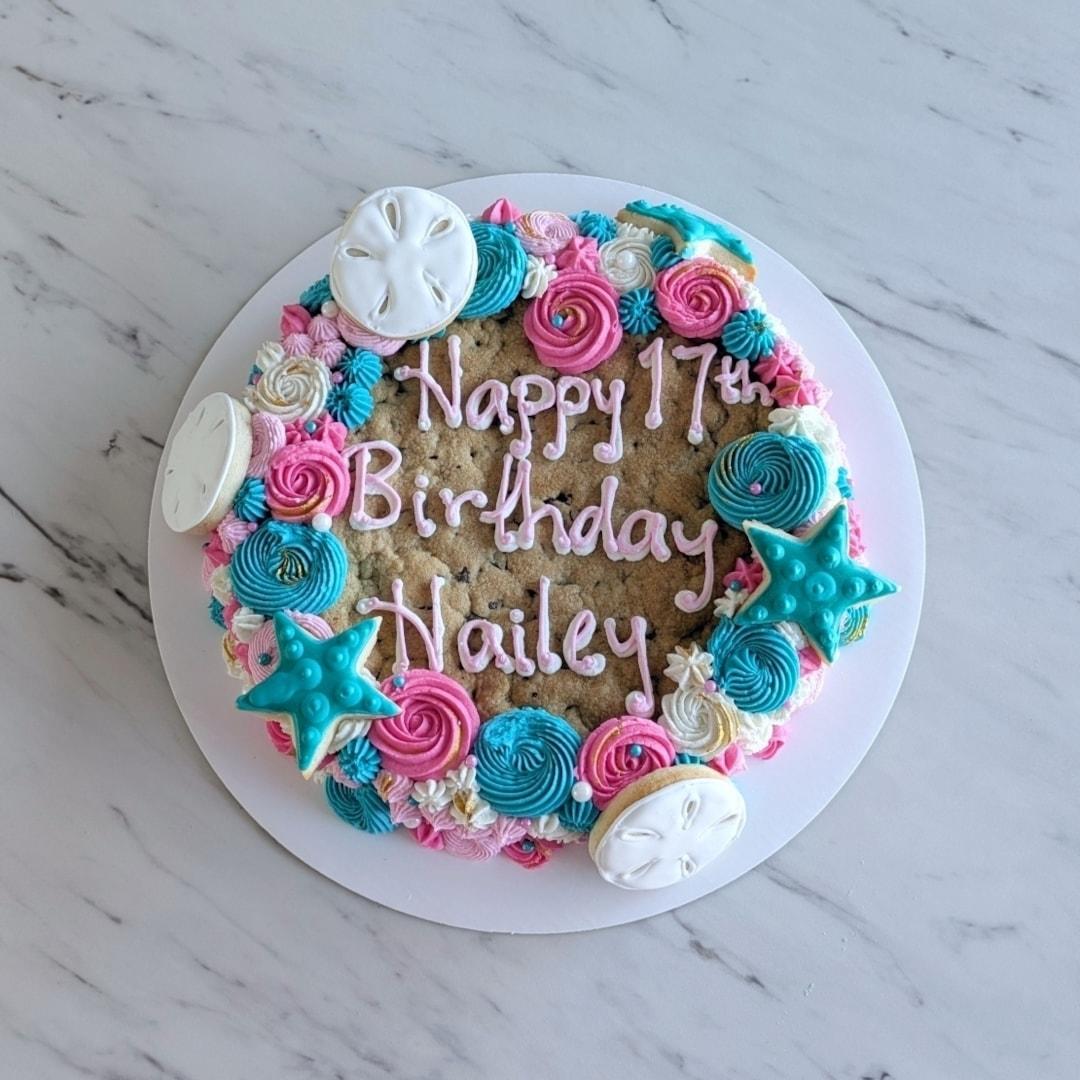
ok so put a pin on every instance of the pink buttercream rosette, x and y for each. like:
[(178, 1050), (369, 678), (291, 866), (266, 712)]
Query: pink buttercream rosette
[(545, 232), (697, 297), (434, 731), (575, 326), (267, 438), (305, 479), (501, 212), (361, 338), (619, 751), (264, 642), (538, 853)]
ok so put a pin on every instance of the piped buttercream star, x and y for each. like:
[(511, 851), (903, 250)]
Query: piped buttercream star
[(317, 684), (810, 580)]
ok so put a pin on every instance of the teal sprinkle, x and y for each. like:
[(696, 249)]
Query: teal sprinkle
[(843, 482), (265, 658), (683, 758), (528, 847), (350, 404), (663, 253), (361, 807), (361, 366), (500, 271), (253, 374), (592, 223), (359, 761), (217, 612), (314, 296), (637, 311), (578, 816), (748, 335), (249, 503), (756, 666)]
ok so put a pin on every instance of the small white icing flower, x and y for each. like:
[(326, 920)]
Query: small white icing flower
[(698, 722), (468, 809), (549, 827), (538, 276), (221, 585), (750, 293), (755, 731), (730, 602), (347, 730), (634, 232), (244, 624), (626, 262), (431, 794), (290, 387), (689, 667), (463, 778)]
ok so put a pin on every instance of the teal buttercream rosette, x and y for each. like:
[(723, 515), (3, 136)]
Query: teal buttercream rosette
[(578, 816), (662, 253), (748, 335), (500, 271), (314, 296), (768, 477), (286, 567), (362, 807), (360, 366), (592, 223), (637, 311), (359, 761), (525, 762), (756, 666), (249, 503), (350, 403)]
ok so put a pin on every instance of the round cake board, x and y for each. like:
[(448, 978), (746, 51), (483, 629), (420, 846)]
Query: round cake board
[(783, 795)]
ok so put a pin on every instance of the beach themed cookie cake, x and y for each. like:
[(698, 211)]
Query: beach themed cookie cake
[(528, 530)]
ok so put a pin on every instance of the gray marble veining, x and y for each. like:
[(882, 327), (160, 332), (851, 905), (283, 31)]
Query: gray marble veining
[(918, 160)]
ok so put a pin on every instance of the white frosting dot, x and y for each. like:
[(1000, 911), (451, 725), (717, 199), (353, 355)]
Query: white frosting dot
[(517, 615), (322, 522), (421, 481), (581, 791)]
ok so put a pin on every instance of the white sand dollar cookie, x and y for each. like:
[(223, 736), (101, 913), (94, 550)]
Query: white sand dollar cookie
[(405, 263), (208, 458), (665, 827)]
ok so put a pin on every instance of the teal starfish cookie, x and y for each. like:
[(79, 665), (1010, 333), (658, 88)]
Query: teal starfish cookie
[(317, 684), (810, 580)]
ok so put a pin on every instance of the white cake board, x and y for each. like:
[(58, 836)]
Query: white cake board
[(783, 795)]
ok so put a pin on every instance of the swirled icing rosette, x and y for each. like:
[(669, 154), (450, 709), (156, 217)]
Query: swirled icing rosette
[(619, 751), (698, 722), (775, 479), (291, 387), (262, 654), (267, 438), (697, 297), (545, 232), (626, 262), (360, 806), (749, 335), (756, 666), (529, 852), (525, 761), (360, 338), (575, 326), (538, 276), (434, 730), (286, 566), (305, 479), (232, 531), (500, 271)]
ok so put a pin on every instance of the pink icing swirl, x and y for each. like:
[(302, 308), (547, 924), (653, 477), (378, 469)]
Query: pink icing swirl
[(262, 656), (748, 574), (478, 845), (360, 338), (619, 751), (281, 739), (582, 253), (294, 319), (697, 297), (267, 438), (575, 326), (297, 345), (856, 544), (538, 853), (809, 661), (434, 730), (232, 532), (729, 761), (325, 427), (214, 555), (305, 479), (545, 232), (775, 743), (501, 212)]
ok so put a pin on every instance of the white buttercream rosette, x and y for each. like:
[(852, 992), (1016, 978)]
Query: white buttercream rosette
[(699, 722), (290, 387), (626, 262)]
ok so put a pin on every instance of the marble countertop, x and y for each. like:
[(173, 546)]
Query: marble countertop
[(918, 162)]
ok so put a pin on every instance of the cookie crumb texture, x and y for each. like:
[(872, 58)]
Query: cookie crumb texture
[(659, 470)]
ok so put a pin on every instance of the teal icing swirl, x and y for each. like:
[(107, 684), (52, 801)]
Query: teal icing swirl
[(748, 335), (360, 366), (249, 503), (592, 223), (691, 227), (525, 761), (776, 479), (663, 254), (216, 610), (843, 483), (359, 761), (500, 271), (350, 404), (683, 758), (314, 296), (853, 624), (282, 566), (756, 666), (361, 807), (578, 816), (637, 311)]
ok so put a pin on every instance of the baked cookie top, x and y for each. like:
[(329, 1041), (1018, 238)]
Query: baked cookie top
[(520, 511)]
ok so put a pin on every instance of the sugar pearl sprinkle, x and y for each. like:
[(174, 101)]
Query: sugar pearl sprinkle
[(581, 791), (321, 522)]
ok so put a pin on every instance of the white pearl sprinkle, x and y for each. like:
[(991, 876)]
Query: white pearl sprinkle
[(581, 791), (322, 522), (329, 309)]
